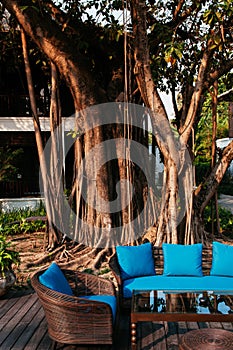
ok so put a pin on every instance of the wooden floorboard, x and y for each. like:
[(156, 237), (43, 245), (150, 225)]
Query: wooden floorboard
[(23, 327)]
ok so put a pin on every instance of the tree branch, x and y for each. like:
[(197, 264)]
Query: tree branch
[(50, 39), (205, 191)]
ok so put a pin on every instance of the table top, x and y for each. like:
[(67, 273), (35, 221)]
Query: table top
[(198, 303)]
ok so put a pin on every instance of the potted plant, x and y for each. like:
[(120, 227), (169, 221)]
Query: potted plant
[(7, 258)]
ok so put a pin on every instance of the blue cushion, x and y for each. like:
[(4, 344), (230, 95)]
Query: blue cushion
[(222, 260), (135, 261), (182, 260), (107, 299), (54, 278), (221, 284)]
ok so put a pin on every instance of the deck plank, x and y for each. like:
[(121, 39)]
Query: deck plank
[(151, 335), (171, 329), (21, 315), (30, 329), (40, 339), (6, 305), (23, 327)]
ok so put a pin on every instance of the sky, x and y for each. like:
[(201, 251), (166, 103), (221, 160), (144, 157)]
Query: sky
[(167, 101)]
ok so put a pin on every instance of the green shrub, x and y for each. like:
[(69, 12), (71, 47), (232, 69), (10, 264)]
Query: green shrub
[(14, 222), (225, 219)]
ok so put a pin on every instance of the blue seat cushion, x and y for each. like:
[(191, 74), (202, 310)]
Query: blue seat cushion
[(178, 283), (135, 261), (55, 279), (107, 299)]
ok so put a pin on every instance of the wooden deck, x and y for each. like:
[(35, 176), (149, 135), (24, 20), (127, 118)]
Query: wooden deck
[(23, 327)]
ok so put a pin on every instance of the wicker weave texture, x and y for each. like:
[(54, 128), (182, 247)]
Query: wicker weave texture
[(75, 320)]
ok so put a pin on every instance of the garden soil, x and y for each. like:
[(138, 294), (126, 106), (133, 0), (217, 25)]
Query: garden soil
[(34, 256)]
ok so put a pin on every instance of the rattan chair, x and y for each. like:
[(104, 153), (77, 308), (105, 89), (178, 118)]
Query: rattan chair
[(74, 319)]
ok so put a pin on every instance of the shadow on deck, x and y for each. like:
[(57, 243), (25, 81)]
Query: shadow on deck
[(23, 327)]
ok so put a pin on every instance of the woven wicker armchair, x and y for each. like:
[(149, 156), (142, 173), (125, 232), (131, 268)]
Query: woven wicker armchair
[(74, 319)]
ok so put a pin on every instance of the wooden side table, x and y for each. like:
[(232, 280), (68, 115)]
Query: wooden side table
[(207, 339)]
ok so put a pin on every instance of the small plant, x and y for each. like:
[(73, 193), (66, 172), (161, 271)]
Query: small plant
[(7, 256), (104, 271)]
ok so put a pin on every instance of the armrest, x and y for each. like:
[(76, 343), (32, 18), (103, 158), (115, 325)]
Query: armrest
[(114, 266), (87, 284)]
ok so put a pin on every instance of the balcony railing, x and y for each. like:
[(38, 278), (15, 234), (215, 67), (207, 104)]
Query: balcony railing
[(20, 188)]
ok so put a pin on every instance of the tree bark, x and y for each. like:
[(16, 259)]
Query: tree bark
[(53, 239), (167, 224)]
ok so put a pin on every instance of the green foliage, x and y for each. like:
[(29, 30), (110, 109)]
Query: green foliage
[(225, 218), (100, 272), (203, 139), (14, 222), (177, 46), (104, 271), (173, 52), (202, 170), (8, 159), (226, 186), (7, 256)]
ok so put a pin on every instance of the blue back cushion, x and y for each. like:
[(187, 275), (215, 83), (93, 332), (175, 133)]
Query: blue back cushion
[(222, 260), (54, 279), (135, 261), (182, 260)]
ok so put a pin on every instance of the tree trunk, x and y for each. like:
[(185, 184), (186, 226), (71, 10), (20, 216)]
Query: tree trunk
[(39, 142), (214, 208), (55, 161), (166, 227)]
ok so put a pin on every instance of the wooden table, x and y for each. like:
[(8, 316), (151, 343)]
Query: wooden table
[(155, 305)]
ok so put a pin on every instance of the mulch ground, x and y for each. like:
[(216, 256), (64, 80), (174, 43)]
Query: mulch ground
[(31, 247)]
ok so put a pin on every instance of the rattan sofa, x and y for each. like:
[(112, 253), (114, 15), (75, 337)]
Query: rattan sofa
[(74, 319), (159, 281)]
